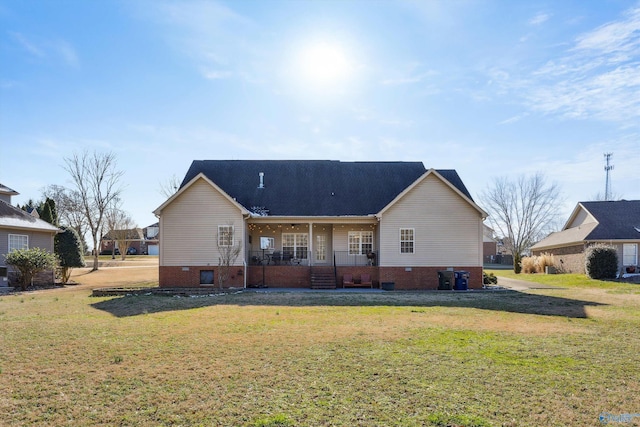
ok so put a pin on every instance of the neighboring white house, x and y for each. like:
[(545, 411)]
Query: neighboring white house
[(299, 222)]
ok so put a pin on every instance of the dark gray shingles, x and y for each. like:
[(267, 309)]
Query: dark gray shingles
[(314, 187), (616, 219)]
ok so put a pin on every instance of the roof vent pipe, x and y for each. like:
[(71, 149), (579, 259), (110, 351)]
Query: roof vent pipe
[(261, 180)]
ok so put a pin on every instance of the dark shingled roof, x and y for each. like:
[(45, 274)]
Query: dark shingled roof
[(12, 217), (314, 187), (618, 220), (9, 211)]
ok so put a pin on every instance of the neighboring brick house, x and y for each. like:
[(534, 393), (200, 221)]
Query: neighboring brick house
[(297, 221), (20, 230), (142, 241), (615, 223)]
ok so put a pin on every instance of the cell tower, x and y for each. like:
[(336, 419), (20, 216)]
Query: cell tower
[(607, 169)]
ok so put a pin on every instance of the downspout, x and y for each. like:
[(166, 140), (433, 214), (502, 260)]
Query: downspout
[(244, 242), (244, 263)]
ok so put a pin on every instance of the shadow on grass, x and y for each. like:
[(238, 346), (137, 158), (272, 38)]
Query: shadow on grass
[(508, 301)]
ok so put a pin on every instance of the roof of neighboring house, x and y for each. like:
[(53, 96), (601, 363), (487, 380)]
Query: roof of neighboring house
[(12, 217), (6, 190), (617, 220), (151, 232), (315, 187), (128, 234), (614, 220)]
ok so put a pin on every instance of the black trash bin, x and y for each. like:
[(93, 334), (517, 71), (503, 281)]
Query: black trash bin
[(445, 280), (388, 286), (461, 280)]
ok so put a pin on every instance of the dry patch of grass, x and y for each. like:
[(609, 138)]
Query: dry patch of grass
[(547, 357), (116, 276)]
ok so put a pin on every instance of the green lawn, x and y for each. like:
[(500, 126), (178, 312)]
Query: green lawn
[(564, 280), (554, 357)]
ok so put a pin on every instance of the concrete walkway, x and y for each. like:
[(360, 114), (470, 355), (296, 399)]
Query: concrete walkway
[(521, 285), (307, 290)]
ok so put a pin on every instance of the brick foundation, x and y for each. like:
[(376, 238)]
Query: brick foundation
[(44, 278), (189, 277), (418, 278), (280, 276), (424, 278)]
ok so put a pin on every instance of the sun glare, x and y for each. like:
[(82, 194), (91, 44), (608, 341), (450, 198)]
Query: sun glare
[(323, 64)]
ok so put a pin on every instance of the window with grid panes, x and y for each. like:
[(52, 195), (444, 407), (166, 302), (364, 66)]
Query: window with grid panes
[(18, 241), (360, 242), (295, 244), (407, 240), (225, 235)]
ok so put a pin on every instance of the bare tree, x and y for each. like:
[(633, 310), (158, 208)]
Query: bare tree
[(229, 250), (97, 183), (169, 187), (69, 206), (599, 197), (522, 210), (122, 229)]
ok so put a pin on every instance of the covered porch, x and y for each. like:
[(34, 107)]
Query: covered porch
[(312, 254)]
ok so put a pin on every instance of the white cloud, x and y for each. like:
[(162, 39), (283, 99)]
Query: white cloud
[(623, 35), (597, 77), (65, 51), (29, 46), (213, 35), (57, 49), (540, 18), (513, 119), (409, 74), (215, 74)]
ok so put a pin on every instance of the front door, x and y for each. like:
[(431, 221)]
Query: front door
[(321, 249)]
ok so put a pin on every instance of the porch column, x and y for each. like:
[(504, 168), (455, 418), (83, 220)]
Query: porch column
[(310, 254)]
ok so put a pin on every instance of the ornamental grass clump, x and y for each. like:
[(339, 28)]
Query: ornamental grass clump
[(601, 262), (529, 264), (545, 260), (537, 263)]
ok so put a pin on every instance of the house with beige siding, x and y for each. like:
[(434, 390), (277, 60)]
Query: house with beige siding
[(614, 223), (20, 230), (315, 223)]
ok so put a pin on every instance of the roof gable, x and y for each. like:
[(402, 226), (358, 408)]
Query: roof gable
[(187, 184), (592, 221), (433, 172), (314, 187)]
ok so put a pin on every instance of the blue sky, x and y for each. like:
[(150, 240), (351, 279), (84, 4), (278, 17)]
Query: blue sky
[(489, 88)]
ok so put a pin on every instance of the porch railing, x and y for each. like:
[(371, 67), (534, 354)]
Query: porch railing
[(301, 257), (344, 258), (297, 257)]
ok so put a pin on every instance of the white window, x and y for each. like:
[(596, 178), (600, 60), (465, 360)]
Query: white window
[(360, 242), (407, 240), (295, 245), (630, 254), (225, 235), (18, 241)]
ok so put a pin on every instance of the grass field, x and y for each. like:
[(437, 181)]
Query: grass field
[(555, 357)]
